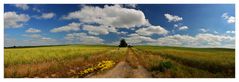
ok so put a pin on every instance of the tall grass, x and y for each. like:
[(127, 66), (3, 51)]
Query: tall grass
[(45, 54), (220, 62), (56, 61)]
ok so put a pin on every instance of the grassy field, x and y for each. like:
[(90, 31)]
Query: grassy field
[(190, 62), (86, 60), (45, 61)]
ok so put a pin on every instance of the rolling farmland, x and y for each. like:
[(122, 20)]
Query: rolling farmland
[(99, 61)]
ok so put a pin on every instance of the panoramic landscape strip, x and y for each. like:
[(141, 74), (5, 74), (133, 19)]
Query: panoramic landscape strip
[(119, 40)]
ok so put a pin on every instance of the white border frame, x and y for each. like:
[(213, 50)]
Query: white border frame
[(2, 2)]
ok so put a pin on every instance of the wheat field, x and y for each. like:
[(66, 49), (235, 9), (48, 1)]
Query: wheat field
[(78, 61)]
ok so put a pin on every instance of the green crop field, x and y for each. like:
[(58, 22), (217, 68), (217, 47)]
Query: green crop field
[(193, 62), (73, 61)]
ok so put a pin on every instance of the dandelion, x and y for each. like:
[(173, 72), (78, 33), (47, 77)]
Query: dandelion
[(104, 65)]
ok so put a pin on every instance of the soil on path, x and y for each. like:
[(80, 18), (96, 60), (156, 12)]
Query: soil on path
[(128, 68)]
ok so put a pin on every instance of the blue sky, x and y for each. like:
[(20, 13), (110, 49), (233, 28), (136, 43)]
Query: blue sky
[(188, 25)]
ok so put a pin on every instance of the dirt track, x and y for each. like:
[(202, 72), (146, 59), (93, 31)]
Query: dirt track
[(128, 68)]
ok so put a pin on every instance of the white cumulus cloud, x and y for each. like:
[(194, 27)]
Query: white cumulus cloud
[(45, 16), (173, 18), (183, 28), (70, 27), (32, 35), (152, 30), (98, 30), (131, 5), (14, 20), (230, 19), (33, 30), (137, 39), (84, 38), (230, 32), (36, 9), (115, 16), (203, 30), (22, 6), (47, 39), (199, 40), (39, 37)]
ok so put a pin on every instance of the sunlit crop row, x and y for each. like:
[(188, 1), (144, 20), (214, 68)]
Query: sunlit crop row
[(46, 54)]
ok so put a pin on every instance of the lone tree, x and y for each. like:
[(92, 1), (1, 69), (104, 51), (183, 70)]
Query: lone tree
[(123, 43)]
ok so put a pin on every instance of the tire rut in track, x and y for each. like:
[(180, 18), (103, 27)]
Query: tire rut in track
[(129, 68)]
